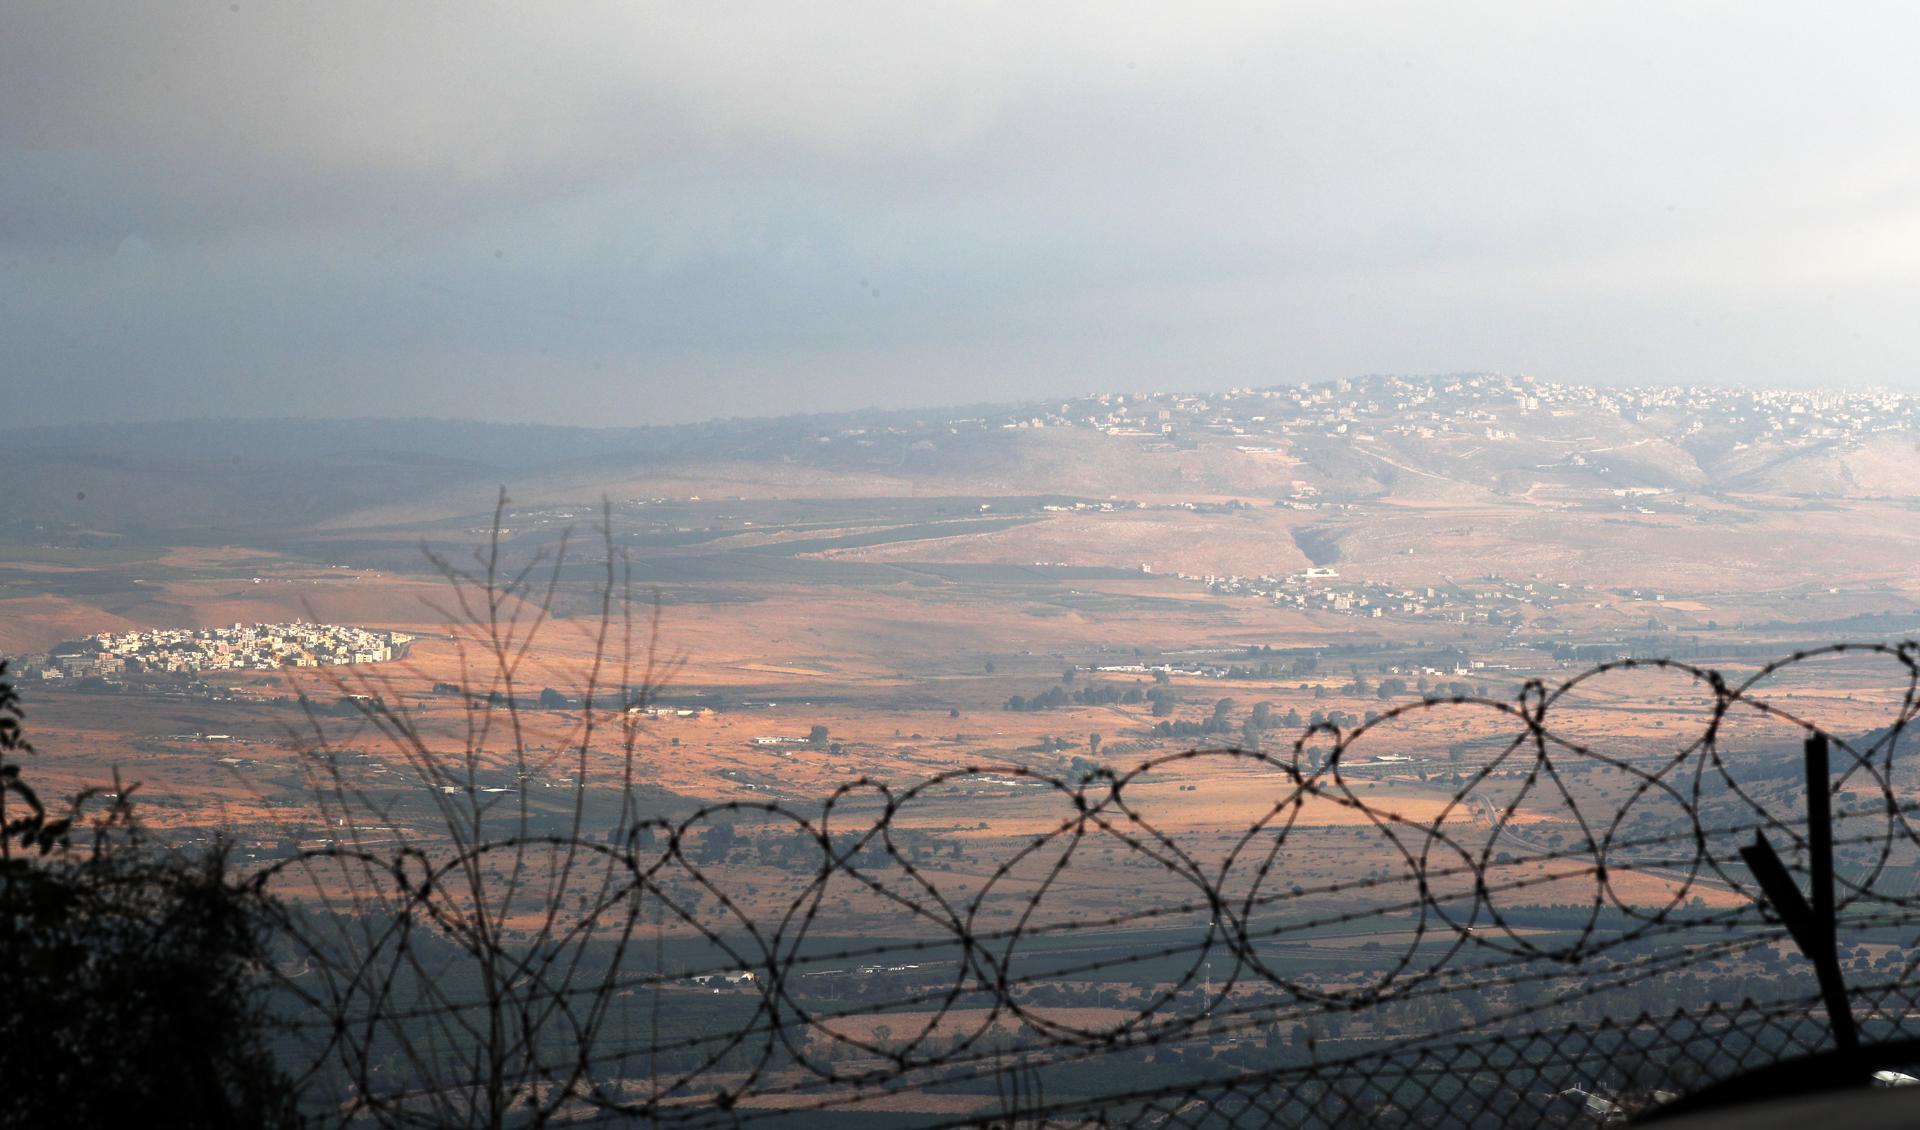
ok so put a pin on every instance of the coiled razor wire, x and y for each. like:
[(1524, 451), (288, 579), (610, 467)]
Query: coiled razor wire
[(570, 978)]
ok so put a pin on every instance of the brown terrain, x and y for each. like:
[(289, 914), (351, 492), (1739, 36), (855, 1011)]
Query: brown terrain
[(902, 606)]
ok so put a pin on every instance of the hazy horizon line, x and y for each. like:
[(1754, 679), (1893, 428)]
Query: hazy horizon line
[(953, 407)]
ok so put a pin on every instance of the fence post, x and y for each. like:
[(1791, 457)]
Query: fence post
[(1814, 927)]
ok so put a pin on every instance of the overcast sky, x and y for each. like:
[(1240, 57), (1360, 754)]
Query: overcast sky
[(629, 212)]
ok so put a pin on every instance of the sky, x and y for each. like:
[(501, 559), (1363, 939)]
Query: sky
[(631, 213)]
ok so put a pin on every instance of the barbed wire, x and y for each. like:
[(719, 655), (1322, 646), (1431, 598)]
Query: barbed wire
[(650, 973)]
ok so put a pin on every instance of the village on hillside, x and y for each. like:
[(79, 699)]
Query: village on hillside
[(237, 647)]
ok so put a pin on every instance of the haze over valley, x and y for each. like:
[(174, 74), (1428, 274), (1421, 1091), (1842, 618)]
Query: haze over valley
[(902, 577)]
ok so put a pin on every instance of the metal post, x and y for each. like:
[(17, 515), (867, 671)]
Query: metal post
[(1814, 927), (1820, 860)]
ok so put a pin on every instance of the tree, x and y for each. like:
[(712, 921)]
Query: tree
[(1093, 745), (817, 735), (718, 843), (551, 699), (130, 987), (1221, 709)]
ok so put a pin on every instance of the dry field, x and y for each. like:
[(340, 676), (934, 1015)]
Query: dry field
[(909, 670)]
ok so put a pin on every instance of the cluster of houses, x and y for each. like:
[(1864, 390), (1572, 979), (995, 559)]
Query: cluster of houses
[(1477, 405), (1487, 600), (238, 647), (1478, 401)]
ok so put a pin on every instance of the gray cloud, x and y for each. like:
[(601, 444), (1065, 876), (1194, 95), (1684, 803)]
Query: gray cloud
[(628, 212)]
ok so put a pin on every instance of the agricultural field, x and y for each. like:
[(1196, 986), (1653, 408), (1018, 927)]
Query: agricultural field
[(995, 629)]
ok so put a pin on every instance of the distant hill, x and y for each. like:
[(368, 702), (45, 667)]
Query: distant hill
[(1427, 440)]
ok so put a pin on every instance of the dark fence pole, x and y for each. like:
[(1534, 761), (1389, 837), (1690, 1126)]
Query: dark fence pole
[(1820, 859), (1814, 927)]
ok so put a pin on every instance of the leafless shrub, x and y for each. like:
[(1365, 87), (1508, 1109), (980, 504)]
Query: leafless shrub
[(454, 966)]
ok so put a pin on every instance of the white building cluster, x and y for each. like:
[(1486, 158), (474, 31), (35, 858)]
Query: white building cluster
[(1491, 599), (239, 647), (1481, 406)]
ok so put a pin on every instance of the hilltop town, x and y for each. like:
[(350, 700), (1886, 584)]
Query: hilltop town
[(237, 647), (1486, 407)]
